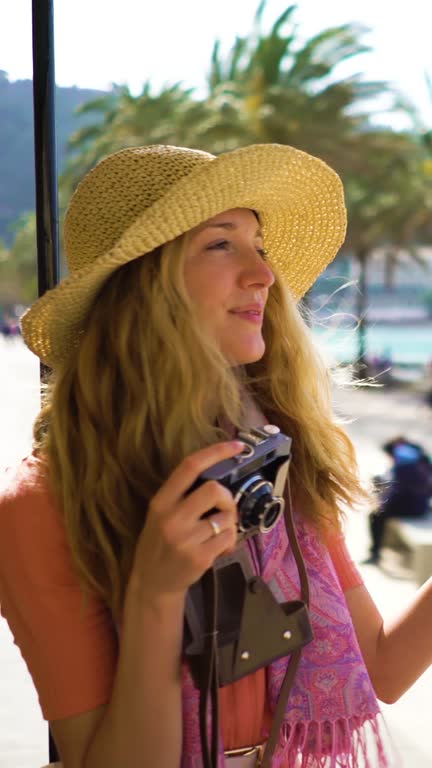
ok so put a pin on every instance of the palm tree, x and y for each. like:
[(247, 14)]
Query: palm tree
[(270, 88), (277, 89), (389, 200), (122, 119)]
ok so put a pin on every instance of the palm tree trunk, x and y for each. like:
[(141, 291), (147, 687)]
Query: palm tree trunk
[(362, 306)]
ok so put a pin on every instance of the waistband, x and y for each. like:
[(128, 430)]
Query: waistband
[(248, 757)]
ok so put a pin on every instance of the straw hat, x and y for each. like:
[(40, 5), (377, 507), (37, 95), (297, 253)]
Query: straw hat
[(142, 197)]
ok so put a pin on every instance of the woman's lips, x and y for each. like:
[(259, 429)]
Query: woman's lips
[(251, 315)]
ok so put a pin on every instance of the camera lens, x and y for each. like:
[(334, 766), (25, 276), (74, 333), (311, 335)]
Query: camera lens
[(256, 505), (271, 514)]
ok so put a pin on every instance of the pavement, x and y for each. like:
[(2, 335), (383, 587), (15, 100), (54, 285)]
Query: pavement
[(375, 415)]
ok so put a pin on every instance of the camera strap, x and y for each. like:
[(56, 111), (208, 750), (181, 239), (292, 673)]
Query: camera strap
[(209, 685)]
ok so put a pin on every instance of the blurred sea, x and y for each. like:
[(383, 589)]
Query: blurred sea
[(401, 345)]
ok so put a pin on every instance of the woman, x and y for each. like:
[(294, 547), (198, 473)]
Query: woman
[(177, 327)]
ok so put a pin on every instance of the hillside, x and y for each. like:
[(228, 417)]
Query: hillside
[(16, 143)]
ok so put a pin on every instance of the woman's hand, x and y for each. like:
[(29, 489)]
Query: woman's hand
[(176, 545)]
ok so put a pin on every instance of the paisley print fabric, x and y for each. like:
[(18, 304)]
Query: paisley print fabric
[(332, 717)]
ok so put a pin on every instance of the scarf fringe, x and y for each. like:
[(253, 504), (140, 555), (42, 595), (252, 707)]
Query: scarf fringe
[(343, 743)]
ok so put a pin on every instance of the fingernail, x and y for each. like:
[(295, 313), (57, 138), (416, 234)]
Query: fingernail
[(238, 444)]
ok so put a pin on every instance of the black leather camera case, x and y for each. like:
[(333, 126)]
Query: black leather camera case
[(253, 628)]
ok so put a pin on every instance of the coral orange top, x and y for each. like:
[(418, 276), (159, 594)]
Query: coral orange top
[(71, 649)]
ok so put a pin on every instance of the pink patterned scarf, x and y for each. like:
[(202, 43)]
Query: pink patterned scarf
[(332, 718)]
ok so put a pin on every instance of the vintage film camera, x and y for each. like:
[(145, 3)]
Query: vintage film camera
[(256, 478), (251, 627)]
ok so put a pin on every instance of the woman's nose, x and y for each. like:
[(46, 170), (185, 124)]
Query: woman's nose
[(256, 271)]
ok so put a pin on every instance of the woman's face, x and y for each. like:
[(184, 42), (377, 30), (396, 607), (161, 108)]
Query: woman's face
[(228, 282)]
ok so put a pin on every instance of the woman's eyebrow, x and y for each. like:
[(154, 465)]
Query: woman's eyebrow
[(229, 225), (222, 225)]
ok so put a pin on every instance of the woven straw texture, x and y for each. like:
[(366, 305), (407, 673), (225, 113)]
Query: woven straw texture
[(140, 198)]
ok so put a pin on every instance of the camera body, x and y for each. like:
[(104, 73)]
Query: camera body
[(251, 628), (256, 478)]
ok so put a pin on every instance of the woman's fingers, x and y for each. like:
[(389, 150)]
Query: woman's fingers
[(213, 526), (191, 526), (213, 536), (187, 472), (209, 496), (180, 539)]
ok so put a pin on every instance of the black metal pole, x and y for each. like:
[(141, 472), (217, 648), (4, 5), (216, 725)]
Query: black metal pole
[(45, 163), (45, 145)]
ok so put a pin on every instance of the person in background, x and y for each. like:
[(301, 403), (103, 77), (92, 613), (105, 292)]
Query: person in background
[(404, 491)]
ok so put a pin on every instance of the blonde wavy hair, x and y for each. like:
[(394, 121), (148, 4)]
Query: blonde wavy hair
[(145, 387)]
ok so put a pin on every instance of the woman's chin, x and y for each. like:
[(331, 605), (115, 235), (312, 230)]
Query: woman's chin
[(245, 354)]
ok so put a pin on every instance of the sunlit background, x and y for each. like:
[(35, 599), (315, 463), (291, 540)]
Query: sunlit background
[(345, 80)]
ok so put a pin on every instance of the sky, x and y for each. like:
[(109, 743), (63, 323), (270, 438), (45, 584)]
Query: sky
[(166, 41)]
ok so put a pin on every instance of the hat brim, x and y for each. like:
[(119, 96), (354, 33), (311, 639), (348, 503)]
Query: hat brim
[(298, 198)]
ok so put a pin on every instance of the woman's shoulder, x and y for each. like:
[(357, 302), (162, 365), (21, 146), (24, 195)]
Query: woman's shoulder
[(23, 483), (21, 477), (28, 511)]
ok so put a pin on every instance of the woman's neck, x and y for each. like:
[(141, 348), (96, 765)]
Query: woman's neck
[(253, 416)]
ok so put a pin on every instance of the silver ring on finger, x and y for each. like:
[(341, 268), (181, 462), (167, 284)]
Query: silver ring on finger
[(216, 529)]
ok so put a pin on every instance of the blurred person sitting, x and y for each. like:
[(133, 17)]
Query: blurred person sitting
[(404, 491)]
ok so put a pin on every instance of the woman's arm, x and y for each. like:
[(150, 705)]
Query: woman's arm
[(398, 651), (142, 723)]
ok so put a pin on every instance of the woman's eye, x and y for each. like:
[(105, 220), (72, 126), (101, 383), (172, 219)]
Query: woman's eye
[(225, 245), (221, 245)]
